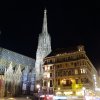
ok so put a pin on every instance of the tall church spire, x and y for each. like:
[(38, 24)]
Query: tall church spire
[(45, 29), (44, 47)]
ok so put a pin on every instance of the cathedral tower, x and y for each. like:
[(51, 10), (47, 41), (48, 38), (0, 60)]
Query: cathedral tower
[(44, 47)]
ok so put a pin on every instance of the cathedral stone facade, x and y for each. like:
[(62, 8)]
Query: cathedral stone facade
[(17, 73), (43, 49)]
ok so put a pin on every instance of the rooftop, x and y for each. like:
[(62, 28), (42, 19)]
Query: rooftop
[(66, 50)]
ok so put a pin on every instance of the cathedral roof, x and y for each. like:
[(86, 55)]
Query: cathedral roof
[(16, 57)]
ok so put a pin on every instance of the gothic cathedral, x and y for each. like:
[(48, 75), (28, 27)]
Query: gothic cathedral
[(43, 49)]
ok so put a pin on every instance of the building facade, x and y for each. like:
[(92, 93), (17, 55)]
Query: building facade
[(69, 72), (43, 49), (17, 73)]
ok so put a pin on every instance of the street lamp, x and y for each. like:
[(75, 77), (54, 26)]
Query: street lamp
[(84, 92), (38, 87)]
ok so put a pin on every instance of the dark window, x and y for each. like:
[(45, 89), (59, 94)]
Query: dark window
[(66, 65), (53, 67), (76, 81), (57, 66), (51, 83), (56, 74), (45, 83), (72, 63), (50, 74), (58, 81), (84, 80), (60, 65), (64, 73), (45, 62), (50, 67), (87, 80), (69, 72), (50, 61), (75, 64)]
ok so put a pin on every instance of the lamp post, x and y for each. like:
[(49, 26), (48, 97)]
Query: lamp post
[(84, 92), (38, 87)]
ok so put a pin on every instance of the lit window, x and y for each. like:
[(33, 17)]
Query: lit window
[(48, 75), (83, 70), (48, 67), (76, 71), (45, 68), (64, 81)]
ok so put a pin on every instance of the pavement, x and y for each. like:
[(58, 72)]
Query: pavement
[(20, 98)]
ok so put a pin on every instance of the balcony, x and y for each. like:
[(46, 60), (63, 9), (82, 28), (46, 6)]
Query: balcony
[(63, 88), (64, 60)]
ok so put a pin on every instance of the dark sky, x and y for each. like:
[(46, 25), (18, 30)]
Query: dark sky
[(70, 23)]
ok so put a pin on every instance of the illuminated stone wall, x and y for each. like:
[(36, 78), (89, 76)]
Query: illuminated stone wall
[(12, 68), (43, 49)]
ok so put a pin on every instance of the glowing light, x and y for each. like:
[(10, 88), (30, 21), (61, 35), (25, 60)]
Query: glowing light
[(59, 88), (83, 88), (63, 81), (11, 99), (95, 82), (48, 68), (97, 89), (68, 93), (72, 80), (48, 75), (79, 93), (59, 97), (45, 68), (76, 86), (64, 97), (38, 86), (83, 70), (58, 93), (48, 84)]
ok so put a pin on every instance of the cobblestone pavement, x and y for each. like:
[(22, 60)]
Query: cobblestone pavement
[(21, 98)]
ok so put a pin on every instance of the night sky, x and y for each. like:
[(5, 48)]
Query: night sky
[(70, 23)]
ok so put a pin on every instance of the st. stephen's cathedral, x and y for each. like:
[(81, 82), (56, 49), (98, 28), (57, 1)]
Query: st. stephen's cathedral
[(18, 73)]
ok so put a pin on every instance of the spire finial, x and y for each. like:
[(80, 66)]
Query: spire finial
[(44, 29), (45, 11)]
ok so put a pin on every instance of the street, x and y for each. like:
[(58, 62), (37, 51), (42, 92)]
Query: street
[(20, 98)]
